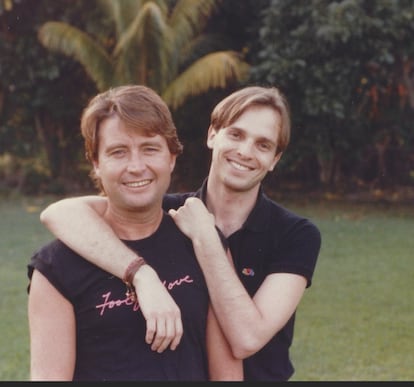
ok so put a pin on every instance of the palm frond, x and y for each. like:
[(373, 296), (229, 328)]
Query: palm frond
[(163, 5), (72, 42), (143, 50), (188, 18), (216, 70), (121, 12)]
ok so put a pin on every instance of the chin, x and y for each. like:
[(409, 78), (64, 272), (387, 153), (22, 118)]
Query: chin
[(233, 185)]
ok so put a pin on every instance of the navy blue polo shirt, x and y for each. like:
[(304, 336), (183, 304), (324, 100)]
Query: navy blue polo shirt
[(273, 239)]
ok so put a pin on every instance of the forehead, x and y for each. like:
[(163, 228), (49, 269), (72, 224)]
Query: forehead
[(260, 121), (114, 129), (114, 123)]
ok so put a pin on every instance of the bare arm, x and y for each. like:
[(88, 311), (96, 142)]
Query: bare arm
[(52, 332), (268, 311), (223, 366), (79, 224)]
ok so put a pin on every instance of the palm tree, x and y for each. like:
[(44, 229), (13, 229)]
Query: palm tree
[(156, 43)]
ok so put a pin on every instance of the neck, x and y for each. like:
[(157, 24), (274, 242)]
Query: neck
[(133, 225), (230, 208)]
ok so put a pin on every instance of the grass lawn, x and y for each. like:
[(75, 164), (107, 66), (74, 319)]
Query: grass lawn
[(20, 234), (354, 323)]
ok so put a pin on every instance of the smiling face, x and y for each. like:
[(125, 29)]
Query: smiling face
[(139, 108), (245, 151), (134, 168)]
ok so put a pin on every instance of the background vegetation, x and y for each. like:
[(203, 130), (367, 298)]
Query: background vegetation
[(354, 323), (346, 66)]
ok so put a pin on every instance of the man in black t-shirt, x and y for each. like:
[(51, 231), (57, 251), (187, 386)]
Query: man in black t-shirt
[(83, 324)]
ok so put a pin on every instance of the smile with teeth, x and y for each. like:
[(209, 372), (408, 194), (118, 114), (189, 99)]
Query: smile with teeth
[(239, 166), (135, 184)]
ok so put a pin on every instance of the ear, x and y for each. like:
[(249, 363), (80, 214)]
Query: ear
[(210, 137), (275, 161), (96, 168), (172, 162)]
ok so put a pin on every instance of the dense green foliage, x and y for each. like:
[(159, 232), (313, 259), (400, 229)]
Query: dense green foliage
[(354, 323), (41, 97), (346, 66)]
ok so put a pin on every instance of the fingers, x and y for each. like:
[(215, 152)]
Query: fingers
[(178, 333), (164, 333), (162, 315), (161, 340), (151, 329)]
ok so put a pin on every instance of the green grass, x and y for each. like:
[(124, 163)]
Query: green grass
[(20, 234), (354, 323)]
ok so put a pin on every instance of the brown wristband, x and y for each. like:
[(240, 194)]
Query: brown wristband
[(128, 278)]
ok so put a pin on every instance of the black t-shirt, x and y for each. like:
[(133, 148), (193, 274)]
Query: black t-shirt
[(272, 240), (110, 328)]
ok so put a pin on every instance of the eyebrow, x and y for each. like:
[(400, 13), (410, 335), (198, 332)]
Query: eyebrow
[(266, 139)]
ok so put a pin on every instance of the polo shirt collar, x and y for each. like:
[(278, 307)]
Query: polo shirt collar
[(258, 219)]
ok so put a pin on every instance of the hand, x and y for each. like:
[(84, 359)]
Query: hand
[(163, 316), (193, 218)]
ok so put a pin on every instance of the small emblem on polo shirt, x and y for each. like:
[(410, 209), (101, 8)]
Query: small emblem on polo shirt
[(248, 271)]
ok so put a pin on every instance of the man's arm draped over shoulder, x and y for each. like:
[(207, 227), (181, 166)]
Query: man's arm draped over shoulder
[(95, 240)]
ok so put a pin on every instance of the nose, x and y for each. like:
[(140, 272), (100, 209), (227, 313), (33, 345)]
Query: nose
[(245, 148), (136, 163)]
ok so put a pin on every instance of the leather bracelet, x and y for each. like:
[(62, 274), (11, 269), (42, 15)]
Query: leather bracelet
[(128, 278)]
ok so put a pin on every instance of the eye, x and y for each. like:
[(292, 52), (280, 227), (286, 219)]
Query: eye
[(118, 152), (234, 134), (151, 149), (265, 146)]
